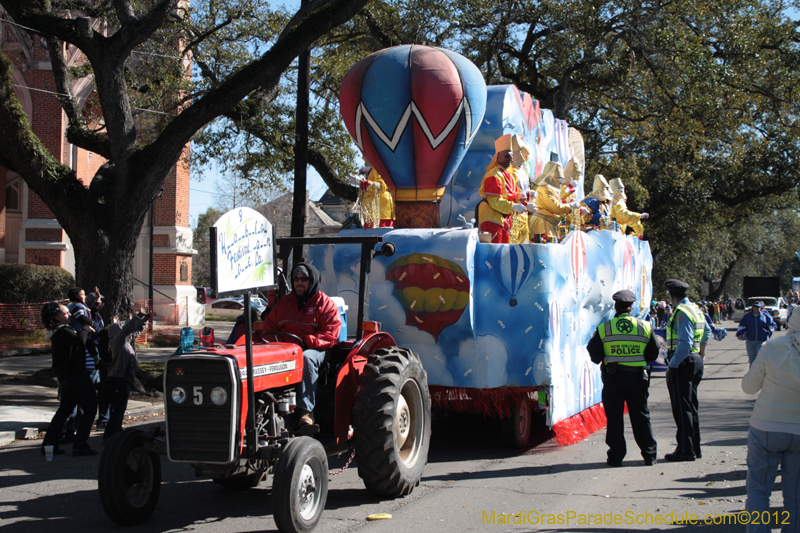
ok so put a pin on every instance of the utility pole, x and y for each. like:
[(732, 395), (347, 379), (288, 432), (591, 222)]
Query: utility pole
[(300, 149)]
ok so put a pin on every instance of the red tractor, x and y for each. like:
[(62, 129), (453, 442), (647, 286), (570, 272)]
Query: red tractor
[(229, 414)]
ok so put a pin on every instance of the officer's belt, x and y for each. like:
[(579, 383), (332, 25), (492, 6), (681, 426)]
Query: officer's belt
[(623, 368), (546, 218)]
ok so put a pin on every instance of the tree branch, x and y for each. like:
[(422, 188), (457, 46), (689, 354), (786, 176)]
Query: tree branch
[(77, 133), (337, 185), (23, 153), (262, 75)]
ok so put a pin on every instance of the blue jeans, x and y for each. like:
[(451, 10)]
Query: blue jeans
[(752, 350), (312, 360), (765, 450)]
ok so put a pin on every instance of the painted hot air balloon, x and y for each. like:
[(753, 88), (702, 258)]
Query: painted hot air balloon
[(413, 111), (512, 266), (432, 290), (577, 257)]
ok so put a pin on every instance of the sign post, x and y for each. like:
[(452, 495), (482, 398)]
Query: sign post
[(243, 258)]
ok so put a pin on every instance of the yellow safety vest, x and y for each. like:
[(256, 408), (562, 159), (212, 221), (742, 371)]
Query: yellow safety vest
[(624, 339), (695, 316)]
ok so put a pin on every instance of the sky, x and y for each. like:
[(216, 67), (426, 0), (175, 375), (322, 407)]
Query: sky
[(202, 189)]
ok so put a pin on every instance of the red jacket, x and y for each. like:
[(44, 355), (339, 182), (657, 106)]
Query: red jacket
[(317, 322)]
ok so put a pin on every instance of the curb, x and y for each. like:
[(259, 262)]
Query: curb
[(154, 409), (7, 437), (19, 434), (22, 352)]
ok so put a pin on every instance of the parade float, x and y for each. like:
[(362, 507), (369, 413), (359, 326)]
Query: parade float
[(501, 329)]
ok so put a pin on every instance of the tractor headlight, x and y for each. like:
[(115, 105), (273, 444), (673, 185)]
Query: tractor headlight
[(178, 395), (219, 396)]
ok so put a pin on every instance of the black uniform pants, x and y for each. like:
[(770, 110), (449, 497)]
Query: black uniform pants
[(633, 389), (682, 384), (77, 390)]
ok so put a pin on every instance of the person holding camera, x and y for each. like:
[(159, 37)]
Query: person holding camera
[(122, 372)]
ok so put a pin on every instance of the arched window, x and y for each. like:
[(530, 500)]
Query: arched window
[(13, 194)]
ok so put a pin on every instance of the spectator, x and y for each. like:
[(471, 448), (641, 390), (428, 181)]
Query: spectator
[(755, 328), (94, 301), (69, 365), (239, 328), (666, 316), (718, 333), (774, 437), (122, 372)]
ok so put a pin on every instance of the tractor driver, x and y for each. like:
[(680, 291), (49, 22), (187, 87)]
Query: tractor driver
[(311, 315)]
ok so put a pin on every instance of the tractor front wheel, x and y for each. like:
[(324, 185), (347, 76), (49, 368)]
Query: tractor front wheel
[(392, 422), (300, 485), (129, 479)]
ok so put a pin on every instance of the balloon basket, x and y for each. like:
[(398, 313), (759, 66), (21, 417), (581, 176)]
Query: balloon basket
[(417, 214)]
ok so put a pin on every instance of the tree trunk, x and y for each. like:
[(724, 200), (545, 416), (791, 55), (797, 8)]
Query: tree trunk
[(104, 254)]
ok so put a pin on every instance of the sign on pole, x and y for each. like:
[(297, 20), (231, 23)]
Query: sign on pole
[(243, 254)]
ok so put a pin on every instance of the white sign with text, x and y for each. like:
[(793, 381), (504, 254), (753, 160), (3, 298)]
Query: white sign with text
[(245, 251)]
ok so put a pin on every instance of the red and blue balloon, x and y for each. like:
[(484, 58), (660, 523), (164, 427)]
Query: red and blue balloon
[(413, 111)]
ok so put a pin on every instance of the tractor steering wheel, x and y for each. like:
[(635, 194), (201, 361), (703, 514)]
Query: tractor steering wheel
[(292, 337)]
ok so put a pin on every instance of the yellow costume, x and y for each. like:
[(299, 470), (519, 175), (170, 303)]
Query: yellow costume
[(600, 189), (619, 209), (519, 227), (549, 206), (377, 205), (572, 173)]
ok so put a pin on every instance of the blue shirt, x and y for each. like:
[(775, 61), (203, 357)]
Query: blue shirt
[(594, 205), (684, 330), (756, 328)]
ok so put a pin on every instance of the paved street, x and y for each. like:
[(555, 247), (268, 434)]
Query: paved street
[(469, 477)]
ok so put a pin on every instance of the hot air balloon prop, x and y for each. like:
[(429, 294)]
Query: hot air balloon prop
[(413, 111), (512, 266), (432, 290)]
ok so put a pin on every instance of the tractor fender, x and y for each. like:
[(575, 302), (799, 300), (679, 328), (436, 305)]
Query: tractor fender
[(347, 380)]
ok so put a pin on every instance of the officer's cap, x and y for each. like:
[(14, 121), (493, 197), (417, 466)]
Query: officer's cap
[(676, 287), (624, 297)]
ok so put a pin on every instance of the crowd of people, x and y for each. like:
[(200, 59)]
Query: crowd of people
[(624, 347), (514, 208), (95, 366)]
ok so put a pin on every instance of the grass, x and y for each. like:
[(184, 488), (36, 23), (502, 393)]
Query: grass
[(152, 366), (23, 339), (221, 318)]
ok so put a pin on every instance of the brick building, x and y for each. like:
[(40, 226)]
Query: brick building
[(30, 234)]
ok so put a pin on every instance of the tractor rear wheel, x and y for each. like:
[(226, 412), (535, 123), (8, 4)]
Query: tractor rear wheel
[(300, 485), (129, 479), (392, 422)]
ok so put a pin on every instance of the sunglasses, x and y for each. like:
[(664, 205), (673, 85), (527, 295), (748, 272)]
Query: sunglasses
[(301, 278)]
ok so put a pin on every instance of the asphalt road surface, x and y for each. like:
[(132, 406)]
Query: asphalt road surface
[(471, 483)]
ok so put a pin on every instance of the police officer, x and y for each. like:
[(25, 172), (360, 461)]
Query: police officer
[(684, 331), (623, 346)]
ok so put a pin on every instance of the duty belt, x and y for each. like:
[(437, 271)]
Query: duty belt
[(546, 218)]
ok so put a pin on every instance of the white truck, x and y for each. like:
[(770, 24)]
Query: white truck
[(764, 289)]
